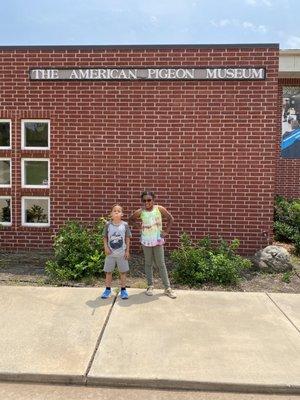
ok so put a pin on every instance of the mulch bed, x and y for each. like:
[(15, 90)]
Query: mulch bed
[(28, 268)]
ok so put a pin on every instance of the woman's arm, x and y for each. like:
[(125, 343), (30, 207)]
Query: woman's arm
[(134, 217), (168, 216)]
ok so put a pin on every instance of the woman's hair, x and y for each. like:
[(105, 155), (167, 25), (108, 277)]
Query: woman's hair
[(148, 193)]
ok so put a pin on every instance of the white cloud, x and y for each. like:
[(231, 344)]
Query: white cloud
[(293, 42), (262, 28), (221, 23), (224, 22), (247, 25), (267, 3), (253, 27), (154, 19)]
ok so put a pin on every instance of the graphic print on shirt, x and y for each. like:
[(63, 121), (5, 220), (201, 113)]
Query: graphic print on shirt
[(116, 241)]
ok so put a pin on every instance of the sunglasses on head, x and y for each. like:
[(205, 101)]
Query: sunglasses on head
[(147, 200)]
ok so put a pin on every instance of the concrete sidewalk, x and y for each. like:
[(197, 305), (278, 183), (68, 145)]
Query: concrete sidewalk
[(227, 341)]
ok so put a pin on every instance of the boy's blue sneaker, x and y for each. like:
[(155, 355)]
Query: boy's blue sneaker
[(124, 294), (106, 294)]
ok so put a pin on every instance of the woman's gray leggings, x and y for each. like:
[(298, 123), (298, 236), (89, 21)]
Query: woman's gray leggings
[(155, 255)]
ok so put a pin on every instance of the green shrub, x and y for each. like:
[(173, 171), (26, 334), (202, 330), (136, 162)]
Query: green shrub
[(284, 232), (78, 252), (286, 277), (286, 219), (203, 262), (297, 244)]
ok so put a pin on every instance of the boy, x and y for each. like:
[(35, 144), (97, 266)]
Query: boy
[(116, 246)]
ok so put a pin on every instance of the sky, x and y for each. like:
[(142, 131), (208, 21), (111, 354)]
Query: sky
[(129, 22)]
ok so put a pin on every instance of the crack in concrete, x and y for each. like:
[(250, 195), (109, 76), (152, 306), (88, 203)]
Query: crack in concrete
[(99, 340), (273, 301)]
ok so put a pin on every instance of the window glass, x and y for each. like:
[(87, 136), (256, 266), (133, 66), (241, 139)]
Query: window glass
[(4, 134), (5, 213), (36, 210), (36, 173), (36, 134), (4, 172), (290, 138)]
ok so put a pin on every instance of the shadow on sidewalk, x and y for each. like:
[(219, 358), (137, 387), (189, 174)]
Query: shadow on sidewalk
[(138, 298), (98, 302)]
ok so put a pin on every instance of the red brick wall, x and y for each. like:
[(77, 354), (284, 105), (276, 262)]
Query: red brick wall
[(288, 170), (205, 147)]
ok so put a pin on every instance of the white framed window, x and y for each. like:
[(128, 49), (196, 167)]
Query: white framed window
[(5, 210), (35, 134), (35, 173), (35, 211), (5, 172), (5, 134)]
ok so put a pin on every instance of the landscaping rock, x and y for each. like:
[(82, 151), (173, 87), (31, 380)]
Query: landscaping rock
[(273, 259)]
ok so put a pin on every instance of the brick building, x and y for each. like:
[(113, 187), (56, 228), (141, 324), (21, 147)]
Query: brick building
[(84, 127)]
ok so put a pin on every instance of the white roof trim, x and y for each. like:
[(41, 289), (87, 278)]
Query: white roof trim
[(289, 63)]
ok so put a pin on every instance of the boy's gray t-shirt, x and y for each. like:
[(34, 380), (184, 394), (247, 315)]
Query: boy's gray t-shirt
[(116, 235)]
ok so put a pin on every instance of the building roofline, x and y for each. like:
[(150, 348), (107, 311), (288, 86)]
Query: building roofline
[(140, 46), (289, 52), (289, 63)]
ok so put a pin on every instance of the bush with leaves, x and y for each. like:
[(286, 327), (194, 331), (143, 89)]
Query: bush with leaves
[(203, 262), (297, 244), (78, 252), (287, 221)]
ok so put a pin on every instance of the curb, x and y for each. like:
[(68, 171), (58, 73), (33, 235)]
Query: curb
[(151, 383), (43, 378), (194, 385)]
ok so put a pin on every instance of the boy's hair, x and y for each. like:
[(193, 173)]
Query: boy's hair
[(116, 205), (148, 193)]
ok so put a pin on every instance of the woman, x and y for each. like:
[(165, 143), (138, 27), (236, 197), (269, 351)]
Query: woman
[(153, 239)]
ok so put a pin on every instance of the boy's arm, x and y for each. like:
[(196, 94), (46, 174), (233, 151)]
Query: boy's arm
[(134, 217), (169, 217), (105, 242), (106, 248), (127, 252), (127, 241)]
